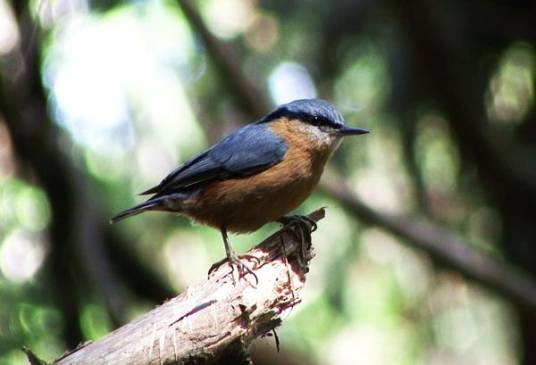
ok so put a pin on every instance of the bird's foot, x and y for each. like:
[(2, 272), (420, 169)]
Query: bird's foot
[(235, 260), (301, 227), (296, 219)]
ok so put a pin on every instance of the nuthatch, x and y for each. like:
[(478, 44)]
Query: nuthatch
[(256, 174)]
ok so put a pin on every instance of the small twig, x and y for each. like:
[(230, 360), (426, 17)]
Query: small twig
[(32, 358)]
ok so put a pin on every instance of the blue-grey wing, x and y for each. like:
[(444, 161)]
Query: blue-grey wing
[(247, 151)]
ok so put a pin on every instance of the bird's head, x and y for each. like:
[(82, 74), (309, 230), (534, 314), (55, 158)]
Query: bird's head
[(318, 118)]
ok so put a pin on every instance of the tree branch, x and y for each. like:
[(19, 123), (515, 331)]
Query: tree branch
[(442, 246), (216, 319)]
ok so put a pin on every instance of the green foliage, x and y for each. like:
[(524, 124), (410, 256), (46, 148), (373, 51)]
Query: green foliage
[(26, 320)]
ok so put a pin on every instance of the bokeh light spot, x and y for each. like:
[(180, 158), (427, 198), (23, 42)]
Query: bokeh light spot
[(21, 255), (228, 18), (364, 82), (50, 12), (438, 156), (180, 250), (290, 81), (94, 321), (263, 33), (7, 165), (9, 34), (32, 209), (511, 89)]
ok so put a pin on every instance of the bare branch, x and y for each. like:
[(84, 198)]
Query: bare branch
[(217, 318), (442, 246)]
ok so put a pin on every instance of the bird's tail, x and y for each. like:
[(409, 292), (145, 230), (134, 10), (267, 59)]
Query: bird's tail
[(150, 204)]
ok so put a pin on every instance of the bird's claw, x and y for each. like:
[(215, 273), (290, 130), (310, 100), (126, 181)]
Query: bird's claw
[(296, 219), (236, 261), (301, 227)]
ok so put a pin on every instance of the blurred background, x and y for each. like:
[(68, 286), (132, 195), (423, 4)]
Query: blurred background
[(428, 251)]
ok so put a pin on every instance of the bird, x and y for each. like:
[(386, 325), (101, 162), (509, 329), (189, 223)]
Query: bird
[(255, 175)]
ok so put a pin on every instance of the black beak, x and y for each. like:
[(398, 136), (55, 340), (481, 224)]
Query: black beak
[(347, 131)]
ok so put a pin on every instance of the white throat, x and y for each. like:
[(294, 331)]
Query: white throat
[(324, 139)]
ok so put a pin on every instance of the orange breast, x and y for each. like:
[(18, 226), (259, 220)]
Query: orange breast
[(246, 204)]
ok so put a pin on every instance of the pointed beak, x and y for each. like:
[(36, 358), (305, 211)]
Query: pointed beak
[(347, 131)]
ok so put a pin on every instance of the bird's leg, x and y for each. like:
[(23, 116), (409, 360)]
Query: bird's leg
[(302, 227), (234, 259)]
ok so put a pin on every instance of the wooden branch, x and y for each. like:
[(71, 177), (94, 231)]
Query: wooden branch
[(217, 319)]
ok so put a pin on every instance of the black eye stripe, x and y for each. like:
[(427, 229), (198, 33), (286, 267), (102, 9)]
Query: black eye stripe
[(316, 120)]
